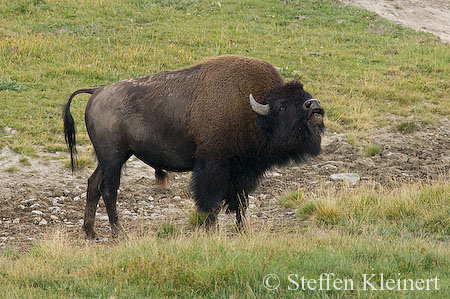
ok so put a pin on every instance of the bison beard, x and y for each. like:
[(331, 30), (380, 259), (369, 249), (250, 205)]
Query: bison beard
[(227, 120)]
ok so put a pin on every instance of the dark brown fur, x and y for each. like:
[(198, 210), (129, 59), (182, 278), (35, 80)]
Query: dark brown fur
[(197, 119), (218, 104)]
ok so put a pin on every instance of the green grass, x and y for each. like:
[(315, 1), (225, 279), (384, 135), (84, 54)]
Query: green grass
[(12, 169), (13, 86), (419, 210), (214, 266), (372, 74), (197, 218), (407, 127), (372, 150), (81, 163), (372, 67), (167, 230), (291, 199), (24, 161)]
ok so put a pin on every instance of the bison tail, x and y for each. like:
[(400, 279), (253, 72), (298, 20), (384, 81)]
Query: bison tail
[(69, 126)]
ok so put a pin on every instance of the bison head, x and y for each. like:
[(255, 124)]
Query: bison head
[(290, 121)]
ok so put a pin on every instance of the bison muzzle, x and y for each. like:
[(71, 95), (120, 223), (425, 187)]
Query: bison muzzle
[(228, 120)]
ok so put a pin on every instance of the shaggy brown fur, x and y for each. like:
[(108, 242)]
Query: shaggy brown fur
[(221, 117), (197, 119)]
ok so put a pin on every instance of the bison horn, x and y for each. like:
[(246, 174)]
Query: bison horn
[(259, 108)]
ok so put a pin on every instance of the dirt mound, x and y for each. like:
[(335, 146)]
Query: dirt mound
[(430, 16)]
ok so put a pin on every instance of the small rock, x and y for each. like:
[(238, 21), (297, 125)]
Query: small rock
[(126, 212), (177, 197), (155, 215), (54, 209), (316, 53), (252, 206), (83, 195), (30, 239), (397, 157), (366, 162), (269, 174), (10, 130), (22, 207), (16, 221), (53, 217), (63, 31), (43, 222), (350, 178), (330, 167), (35, 205), (76, 198), (104, 218), (28, 200), (150, 198), (37, 212)]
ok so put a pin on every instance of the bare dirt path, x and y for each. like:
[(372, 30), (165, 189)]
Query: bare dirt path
[(425, 15), (45, 195)]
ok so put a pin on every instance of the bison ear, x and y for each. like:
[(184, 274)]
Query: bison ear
[(259, 108)]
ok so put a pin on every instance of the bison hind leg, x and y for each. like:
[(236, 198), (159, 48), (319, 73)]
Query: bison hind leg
[(161, 178), (92, 198)]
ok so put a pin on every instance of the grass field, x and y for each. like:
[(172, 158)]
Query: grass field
[(367, 73), (361, 67)]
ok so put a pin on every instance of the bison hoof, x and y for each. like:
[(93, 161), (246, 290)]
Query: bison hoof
[(90, 234)]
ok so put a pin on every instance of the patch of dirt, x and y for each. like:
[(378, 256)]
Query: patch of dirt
[(45, 195), (425, 15)]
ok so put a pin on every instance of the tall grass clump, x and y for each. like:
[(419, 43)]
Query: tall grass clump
[(414, 208), (291, 199), (372, 150), (407, 127)]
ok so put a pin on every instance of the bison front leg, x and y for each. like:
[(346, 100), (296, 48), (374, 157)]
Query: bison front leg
[(210, 183), (211, 224)]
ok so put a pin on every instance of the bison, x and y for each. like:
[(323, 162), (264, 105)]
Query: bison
[(228, 120)]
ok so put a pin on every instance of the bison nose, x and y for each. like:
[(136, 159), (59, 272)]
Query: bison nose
[(307, 105), (313, 106)]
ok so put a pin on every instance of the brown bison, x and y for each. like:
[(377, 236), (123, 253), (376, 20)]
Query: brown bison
[(227, 120)]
